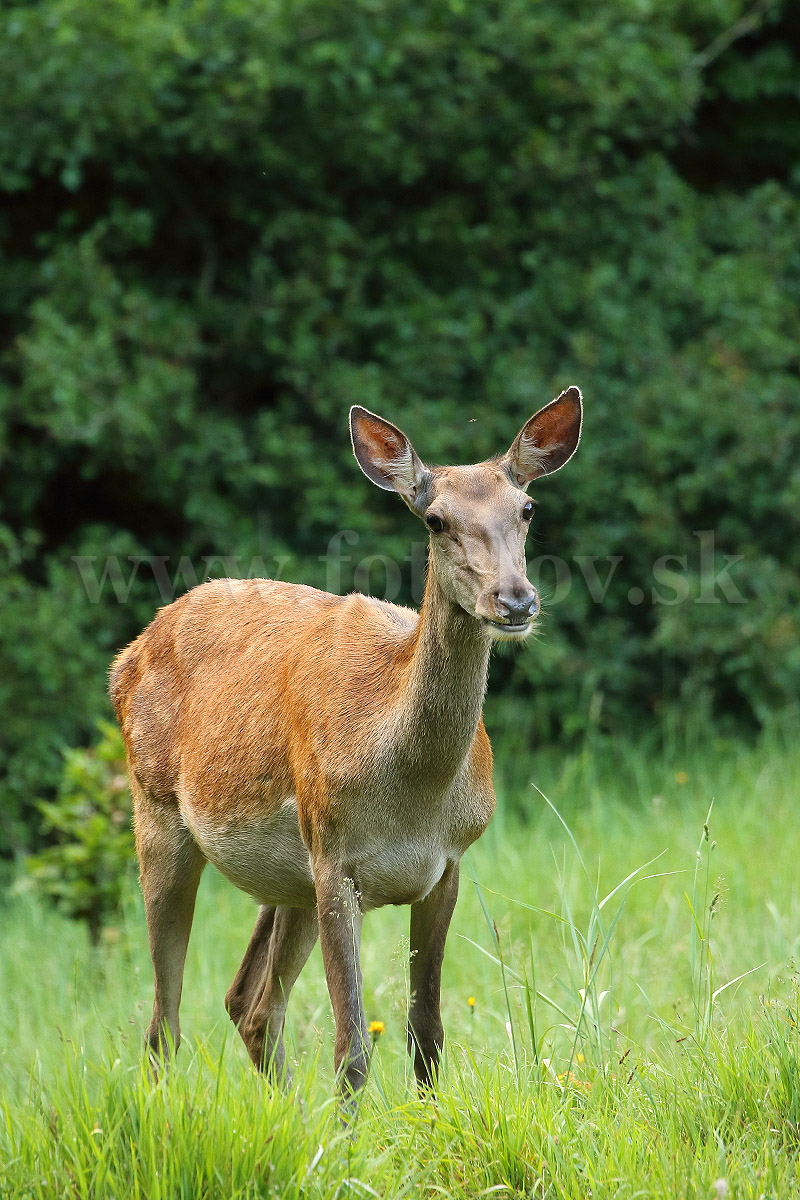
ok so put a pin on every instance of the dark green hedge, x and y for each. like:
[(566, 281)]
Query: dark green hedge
[(224, 221)]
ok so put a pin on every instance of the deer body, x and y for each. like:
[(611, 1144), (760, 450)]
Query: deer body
[(246, 777), (327, 754)]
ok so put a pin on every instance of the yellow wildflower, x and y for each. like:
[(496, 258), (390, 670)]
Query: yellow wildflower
[(570, 1080), (375, 1028)]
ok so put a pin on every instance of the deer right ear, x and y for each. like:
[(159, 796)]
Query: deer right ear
[(387, 457), (547, 441)]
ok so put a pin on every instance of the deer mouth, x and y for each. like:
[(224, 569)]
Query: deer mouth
[(509, 629)]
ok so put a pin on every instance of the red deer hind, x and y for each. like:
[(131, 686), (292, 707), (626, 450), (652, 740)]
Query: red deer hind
[(327, 753)]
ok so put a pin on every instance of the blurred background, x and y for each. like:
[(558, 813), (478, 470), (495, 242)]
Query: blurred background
[(225, 221)]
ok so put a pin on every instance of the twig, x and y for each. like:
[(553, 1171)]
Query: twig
[(746, 23)]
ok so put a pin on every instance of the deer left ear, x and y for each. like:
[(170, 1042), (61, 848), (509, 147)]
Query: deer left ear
[(387, 457), (548, 440)]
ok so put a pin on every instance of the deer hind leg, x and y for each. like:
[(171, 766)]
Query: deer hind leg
[(430, 920), (171, 866), (248, 982), (256, 1001)]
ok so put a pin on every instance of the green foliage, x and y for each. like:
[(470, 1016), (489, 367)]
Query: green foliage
[(225, 222), (86, 867)]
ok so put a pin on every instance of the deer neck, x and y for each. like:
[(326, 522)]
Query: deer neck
[(446, 682)]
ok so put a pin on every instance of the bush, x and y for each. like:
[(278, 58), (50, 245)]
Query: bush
[(88, 862)]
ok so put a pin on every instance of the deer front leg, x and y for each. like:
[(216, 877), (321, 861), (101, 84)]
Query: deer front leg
[(340, 918), (430, 920)]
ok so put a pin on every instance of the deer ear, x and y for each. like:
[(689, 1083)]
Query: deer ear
[(548, 440), (387, 457)]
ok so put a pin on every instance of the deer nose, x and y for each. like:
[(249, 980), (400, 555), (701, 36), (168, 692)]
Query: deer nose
[(516, 609)]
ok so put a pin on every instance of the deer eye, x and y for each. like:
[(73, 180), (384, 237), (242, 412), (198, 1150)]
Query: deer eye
[(527, 511), (434, 523)]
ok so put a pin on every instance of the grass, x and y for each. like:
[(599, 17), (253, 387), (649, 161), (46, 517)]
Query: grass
[(633, 1033)]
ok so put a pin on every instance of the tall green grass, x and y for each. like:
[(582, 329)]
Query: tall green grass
[(630, 950)]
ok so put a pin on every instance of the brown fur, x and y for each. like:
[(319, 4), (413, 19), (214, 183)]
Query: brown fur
[(326, 753)]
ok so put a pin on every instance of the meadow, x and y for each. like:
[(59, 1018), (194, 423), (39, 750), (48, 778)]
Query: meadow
[(620, 997)]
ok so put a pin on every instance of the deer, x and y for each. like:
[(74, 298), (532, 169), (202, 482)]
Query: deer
[(327, 754)]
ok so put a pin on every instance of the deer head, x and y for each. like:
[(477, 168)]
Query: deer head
[(478, 516)]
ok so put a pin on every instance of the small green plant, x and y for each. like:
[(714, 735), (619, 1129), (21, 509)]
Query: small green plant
[(704, 905), (781, 1023), (586, 1010), (88, 862)]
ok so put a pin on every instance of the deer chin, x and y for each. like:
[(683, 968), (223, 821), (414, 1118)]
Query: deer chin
[(505, 631)]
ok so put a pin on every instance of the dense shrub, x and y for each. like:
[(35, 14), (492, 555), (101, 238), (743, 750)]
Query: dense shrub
[(89, 858), (223, 222)]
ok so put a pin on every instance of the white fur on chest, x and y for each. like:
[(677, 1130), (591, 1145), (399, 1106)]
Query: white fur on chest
[(398, 872)]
